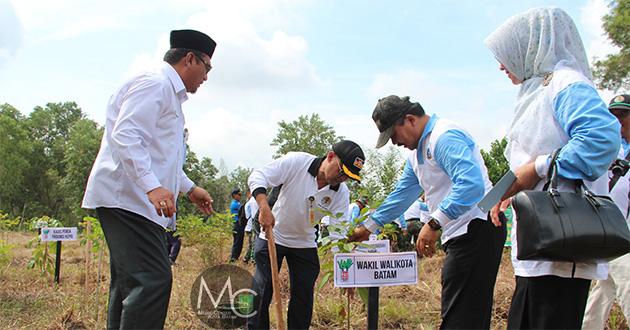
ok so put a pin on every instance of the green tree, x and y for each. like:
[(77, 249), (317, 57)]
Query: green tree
[(238, 179), (495, 160), (380, 174), (613, 71), (14, 147), (307, 134), (79, 154)]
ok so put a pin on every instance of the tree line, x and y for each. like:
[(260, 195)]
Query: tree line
[(47, 157)]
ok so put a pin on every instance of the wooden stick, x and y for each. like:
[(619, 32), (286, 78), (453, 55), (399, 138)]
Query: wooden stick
[(273, 259), (88, 253)]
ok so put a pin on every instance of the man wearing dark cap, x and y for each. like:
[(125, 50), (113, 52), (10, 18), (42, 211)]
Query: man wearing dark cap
[(446, 164), (310, 187), (136, 178), (617, 286)]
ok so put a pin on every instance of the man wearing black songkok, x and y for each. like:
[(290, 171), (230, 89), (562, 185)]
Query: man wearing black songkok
[(136, 176)]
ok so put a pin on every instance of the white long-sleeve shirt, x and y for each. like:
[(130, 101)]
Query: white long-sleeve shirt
[(142, 147), (297, 173)]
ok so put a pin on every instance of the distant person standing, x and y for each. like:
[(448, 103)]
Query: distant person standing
[(251, 208), (617, 286), (138, 171), (354, 209), (238, 229)]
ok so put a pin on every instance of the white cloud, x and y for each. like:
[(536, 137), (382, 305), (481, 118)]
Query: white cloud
[(234, 114), (10, 31), (479, 102)]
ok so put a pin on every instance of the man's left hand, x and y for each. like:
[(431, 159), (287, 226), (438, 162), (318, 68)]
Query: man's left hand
[(425, 246), (201, 198)]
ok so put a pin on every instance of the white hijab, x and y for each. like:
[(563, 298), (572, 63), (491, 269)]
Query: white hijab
[(531, 45)]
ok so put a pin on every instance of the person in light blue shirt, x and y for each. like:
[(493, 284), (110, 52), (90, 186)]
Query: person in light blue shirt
[(446, 164), (238, 228), (557, 107)]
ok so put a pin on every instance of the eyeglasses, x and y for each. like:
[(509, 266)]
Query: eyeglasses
[(207, 65)]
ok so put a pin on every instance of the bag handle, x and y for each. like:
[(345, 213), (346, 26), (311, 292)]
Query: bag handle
[(552, 184)]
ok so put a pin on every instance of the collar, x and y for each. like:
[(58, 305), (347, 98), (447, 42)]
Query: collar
[(428, 128), (313, 170), (176, 82)]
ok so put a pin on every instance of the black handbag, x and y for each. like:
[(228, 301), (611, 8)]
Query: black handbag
[(568, 225)]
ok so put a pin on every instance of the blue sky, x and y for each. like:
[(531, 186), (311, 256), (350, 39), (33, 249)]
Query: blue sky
[(276, 60)]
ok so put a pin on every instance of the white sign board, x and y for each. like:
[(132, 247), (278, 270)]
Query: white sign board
[(375, 269), (59, 234), (381, 246)]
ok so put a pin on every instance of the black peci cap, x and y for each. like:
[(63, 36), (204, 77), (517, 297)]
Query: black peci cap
[(352, 158), (390, 109), (620, 102), (193, 39)]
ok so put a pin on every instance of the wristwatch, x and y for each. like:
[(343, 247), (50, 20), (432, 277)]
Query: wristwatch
[(434, 224)]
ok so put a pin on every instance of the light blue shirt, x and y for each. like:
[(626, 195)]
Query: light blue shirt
[(594, 131), (454, 153)]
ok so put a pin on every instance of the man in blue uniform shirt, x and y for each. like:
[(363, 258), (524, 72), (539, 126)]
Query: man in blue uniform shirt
[(446, 164), (238, 229)]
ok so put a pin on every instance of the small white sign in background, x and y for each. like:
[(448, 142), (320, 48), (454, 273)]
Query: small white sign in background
[(379, 245), (59, 234), (375, 269)]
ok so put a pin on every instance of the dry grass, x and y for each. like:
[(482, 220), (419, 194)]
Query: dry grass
[(29, 300)]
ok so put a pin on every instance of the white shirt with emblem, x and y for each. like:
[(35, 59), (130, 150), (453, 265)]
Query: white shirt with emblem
[(298, 197), (142, 146)]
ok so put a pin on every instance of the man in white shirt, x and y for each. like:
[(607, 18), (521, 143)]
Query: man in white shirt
[(310, 185), (251, 208), (138, 171)]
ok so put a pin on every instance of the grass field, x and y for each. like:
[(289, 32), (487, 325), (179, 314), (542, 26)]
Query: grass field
[(29, 300)]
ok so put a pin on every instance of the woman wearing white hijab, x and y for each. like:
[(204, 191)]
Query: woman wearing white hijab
[(557, 106)]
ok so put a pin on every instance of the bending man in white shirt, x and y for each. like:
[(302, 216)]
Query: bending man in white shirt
[(309, 185)]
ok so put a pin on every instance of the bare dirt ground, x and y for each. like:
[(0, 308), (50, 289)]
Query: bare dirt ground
[(29, 300)]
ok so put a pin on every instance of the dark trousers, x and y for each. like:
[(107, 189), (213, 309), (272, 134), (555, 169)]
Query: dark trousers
[(141, 278), (468, 276), (303, 271), (238, 233), (173, 245), (548, 302)]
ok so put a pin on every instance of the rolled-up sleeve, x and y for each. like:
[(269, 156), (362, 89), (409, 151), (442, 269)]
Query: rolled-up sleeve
[(594, 133)]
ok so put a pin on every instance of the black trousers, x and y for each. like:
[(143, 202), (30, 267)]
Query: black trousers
[(303, 271), (141, 277), (548, 302), (469, 274), (238, 233)]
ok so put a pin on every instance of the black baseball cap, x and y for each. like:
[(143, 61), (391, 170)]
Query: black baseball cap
[(236, 191), (390, 109), (352, 158), (620, 102), (193, 39)]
